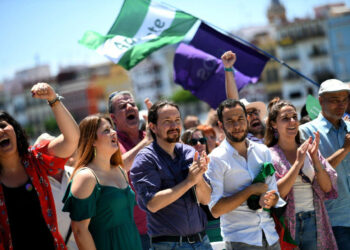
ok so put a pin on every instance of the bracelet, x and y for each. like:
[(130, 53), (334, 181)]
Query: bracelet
[(228, 69), (57, 99)]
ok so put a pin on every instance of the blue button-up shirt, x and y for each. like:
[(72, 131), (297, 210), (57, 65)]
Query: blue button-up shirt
[(332, 139), (154, 170)]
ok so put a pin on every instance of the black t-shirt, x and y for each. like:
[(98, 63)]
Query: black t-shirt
[(27, 224)]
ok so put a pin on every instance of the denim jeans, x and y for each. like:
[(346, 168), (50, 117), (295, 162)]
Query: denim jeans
[(166, 245), (342, 236), (305, 230)]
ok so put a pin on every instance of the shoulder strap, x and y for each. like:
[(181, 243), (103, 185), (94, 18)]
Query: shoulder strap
[(92, 171), (69, 233), (125, 177)]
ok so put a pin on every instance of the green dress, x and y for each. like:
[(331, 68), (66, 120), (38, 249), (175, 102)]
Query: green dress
[(111, 209)]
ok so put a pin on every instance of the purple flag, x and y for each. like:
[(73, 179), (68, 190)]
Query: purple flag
[(204, 75), (249, 61)]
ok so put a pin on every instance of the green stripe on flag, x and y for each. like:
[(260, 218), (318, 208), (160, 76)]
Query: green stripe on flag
[(141, 27), (176, 33), (134, 11), (92, 39)]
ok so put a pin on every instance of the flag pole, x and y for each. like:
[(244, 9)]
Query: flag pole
[(253, 46)]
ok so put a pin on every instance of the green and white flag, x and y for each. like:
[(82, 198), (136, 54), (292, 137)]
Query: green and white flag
[(141, 27)]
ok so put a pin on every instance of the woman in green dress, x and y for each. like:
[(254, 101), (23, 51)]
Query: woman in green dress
[(98, 197)]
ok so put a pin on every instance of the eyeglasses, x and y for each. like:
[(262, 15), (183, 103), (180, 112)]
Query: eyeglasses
[(194, 142), (254, 112)]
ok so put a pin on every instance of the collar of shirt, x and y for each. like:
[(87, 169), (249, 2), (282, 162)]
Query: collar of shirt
[(231, 150), (163, 153), (328, 126), (125, 142)]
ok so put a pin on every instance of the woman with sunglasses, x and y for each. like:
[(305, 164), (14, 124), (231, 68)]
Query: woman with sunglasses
[(305, 178), (195, 138), (27, 208)]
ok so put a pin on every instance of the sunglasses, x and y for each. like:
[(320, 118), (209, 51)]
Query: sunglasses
[(304, 178), (194, 142), (113, 95)]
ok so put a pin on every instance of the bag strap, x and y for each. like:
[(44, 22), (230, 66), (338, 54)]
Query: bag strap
[(69, 233)]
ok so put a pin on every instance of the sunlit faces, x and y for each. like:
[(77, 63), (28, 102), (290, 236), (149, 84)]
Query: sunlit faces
[(235, 123), (287, 123), (255, 126), (168, 127), (107, 140), (334, 104), (198, 142), (8, 141), (126, 113)]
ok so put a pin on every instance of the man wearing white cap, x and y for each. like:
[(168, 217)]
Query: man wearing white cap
[(335, 146), (256, 111)]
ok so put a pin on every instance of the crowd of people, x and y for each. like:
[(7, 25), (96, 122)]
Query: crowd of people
[(250, 177)]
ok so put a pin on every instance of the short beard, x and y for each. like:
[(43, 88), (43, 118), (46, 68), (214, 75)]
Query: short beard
[(175, 139), (255, 132), (231, 138)]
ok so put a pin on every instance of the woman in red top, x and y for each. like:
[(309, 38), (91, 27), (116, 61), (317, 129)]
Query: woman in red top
[(27, 209)]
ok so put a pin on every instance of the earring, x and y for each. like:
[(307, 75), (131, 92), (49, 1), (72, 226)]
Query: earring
[(275, 134), (94, 152)]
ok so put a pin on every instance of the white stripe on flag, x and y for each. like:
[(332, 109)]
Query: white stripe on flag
[(115, 47), (157, 19)]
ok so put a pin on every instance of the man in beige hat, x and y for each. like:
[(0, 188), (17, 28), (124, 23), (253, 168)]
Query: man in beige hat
[(256, 111), (335, 146)]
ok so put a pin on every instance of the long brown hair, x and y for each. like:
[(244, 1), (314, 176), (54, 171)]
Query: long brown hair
[(274, 108), (88, 134)]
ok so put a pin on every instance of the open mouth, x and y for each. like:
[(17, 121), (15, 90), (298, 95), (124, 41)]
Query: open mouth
[(130, 117), (4, 142), (255, 124)]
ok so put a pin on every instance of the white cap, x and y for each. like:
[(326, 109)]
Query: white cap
[(333, 85), (258, 105)]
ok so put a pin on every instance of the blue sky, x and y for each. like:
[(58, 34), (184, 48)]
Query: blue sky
[(47, 31)]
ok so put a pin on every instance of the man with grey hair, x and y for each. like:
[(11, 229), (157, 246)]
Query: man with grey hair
[(335, 146), (125, 115)]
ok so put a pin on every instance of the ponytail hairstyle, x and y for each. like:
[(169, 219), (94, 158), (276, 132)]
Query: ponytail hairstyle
[(274, 107)]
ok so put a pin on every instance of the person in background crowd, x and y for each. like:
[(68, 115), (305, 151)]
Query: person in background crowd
[(304, 115), (99, 198), (169, 180), (191, 121), (256, 111), (210, 134), (233, 166), (27, 209), (195, 138), (59, 184), (125, 115), (305, 178), (212, 121), (335, 146)]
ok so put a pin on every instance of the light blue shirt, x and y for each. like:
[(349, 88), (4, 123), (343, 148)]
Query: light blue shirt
[(332, 139), (230, 173)]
